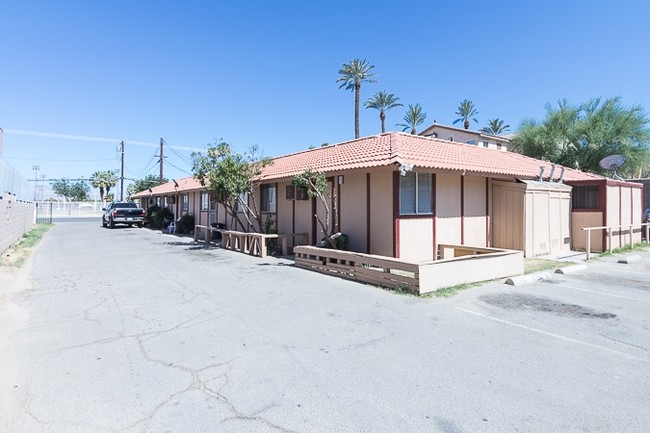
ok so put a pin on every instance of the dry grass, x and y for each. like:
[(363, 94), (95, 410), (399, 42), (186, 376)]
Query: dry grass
[(536, 265), (19, 252)]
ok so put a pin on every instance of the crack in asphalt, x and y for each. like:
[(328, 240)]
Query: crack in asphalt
[(200, 385)]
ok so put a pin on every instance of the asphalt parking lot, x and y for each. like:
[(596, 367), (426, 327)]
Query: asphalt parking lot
[(136, 331)]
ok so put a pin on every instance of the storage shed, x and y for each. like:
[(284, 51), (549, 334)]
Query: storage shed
[(531, 216), (606, 203)]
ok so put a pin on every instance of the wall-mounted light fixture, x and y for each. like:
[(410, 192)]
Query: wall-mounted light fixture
[(341, 179), (405, 168)]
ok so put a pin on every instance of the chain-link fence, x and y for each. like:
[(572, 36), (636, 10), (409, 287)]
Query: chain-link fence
[(11, 181)]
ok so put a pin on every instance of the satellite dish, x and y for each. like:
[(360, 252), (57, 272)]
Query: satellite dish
[(612, 162)]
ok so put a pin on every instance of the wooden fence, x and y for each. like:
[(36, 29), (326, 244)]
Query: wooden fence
[(459, 264), (255, 244)]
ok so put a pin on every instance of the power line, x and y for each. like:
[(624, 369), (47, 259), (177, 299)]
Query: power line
[(59, 160), (180, 169)]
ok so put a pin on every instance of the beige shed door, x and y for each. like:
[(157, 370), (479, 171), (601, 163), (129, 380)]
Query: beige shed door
[(508, 217)]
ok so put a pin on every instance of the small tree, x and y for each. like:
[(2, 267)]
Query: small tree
[(77, 191), (149, 181), (234, 179), (315, 183)]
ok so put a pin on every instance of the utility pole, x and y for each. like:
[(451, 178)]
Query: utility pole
[(160, 179), (122, 172)]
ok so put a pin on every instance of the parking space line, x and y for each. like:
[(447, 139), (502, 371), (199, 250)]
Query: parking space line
[(550, 334), (604, 293)]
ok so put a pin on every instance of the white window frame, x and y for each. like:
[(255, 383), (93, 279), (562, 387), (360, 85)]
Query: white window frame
[(205, 200), (418, 192)]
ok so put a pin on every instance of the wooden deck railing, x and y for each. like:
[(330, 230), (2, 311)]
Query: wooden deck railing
[(461, 264), (247, 242), (368, 268), (610, 230)]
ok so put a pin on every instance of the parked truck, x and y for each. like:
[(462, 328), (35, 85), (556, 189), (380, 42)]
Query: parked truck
[(122, 213)]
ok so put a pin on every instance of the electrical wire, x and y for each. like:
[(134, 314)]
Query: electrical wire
[(180, 169), (178, 154)]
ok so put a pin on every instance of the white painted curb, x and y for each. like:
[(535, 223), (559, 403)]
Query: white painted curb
[(632, 258), (571, 269), (530, 278)]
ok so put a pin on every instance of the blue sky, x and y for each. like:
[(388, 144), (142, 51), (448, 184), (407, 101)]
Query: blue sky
[(259, 72)]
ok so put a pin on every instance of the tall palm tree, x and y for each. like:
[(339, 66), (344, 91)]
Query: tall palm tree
[(351, 75), (382, 101), (466, 112), (111, 180), (104, 180), (414, 117), (496, 127), (97, 180)]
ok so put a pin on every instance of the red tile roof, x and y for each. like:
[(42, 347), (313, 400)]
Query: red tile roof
[(184, 184), (420, 152), (398, 148)]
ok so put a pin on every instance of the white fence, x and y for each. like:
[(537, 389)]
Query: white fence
[(76, 209)]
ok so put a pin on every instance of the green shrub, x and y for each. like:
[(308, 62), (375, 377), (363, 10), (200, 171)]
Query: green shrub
[(271, 244), (185, 224), (156, 216)]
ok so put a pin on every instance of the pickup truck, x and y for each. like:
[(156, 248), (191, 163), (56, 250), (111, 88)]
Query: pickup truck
[(122, 213)]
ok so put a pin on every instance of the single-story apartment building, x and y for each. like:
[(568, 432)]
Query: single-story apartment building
[(402, 195)]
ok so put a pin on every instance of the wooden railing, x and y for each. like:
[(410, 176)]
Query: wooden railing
[(461, 264), (610, 230), (367, 268), (249, 243)]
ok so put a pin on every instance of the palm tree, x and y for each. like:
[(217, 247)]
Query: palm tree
[(352, 74), (413, 117), (382, 101), (104, 180), (466, 112), (496, 127)]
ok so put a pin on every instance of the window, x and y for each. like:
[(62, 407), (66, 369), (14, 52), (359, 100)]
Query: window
[(268, 198), (186, 202), (585, 197), (302, 194), (486, 144), (296, 193), (291, 192), (158, 201), (415, 190), (205, 200)]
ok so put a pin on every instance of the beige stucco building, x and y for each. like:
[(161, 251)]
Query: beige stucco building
[(402, 195), (467, 136)]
